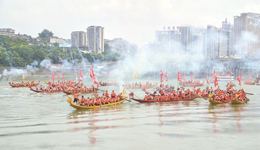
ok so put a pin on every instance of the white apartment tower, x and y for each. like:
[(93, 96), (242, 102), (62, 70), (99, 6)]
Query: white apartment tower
[(95, 35)]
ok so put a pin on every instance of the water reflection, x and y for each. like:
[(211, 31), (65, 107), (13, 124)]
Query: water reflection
[(159, 108), (91, 119), (91, 134), (238, 109), (218, 111)]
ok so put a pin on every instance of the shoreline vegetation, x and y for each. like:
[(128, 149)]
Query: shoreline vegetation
[(19, 52)]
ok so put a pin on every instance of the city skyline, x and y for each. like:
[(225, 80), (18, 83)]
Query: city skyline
[(133, 20)]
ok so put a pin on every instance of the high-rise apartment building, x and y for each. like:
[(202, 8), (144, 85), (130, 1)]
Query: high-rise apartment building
[(95, 35), (79, 39)]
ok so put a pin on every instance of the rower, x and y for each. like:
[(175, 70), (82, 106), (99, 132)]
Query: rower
[(81, 101), (107, 94), (146, 97), (76, 97), (161, 92), (113, 94), (131, 95)]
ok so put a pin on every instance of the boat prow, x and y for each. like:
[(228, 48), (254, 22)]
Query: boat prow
[(143, 101), (34, 90), (83, 107), (237, 101)]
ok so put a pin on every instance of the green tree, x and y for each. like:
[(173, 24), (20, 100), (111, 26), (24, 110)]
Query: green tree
[(3, 57), (45, 35)]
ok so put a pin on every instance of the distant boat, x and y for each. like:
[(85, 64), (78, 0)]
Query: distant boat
[(225, 78)]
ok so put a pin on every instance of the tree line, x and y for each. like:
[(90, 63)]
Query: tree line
[(18, 52)]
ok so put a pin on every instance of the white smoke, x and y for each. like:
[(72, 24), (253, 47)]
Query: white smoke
[(244, 46), (170, 56), (14, 72), (32, 67), (65, 65), (46, 63), (121, 46)]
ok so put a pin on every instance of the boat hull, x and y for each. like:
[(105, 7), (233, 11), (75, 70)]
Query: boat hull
[(233, 101), (159, 101), (237, 101), (76, 106)]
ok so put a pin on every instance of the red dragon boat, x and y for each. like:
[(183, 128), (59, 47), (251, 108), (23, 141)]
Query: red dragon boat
[(82, 90), (97, 102), (23, 84), (162, 98), (223, 97), (191, 83)]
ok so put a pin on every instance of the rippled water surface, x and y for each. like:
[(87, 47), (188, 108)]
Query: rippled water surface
[(38, 121)]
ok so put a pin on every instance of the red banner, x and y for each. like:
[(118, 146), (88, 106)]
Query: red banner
[(179, 76), (215, 81), (163, 76), (53, 76), (92, 76), (80, 75), (239, 79)]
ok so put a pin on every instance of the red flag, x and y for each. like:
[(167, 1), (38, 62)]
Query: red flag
[(53, 76), (92, 76), (239, 79), (207, 80), (179, 76), (215, 81), (80, 75), (161, 76), (91, 72)]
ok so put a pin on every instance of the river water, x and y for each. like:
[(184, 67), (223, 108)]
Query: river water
[(38, 121)]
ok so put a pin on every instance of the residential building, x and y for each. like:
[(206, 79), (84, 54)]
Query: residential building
[(95, 35), (60, 41), (78, 39), (7, 31), (186, 36), (247, 34), (212, 51), (225, 40), (168, 34)]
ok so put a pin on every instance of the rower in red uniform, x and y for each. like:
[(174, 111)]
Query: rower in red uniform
[(113, 94), (161, 92), (107, 94), (76, 97)]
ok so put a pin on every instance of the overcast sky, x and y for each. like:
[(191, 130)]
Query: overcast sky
[(134, 20)]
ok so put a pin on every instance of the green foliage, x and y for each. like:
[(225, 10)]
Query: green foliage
[(3, 56), (45, 35), (19, 53)]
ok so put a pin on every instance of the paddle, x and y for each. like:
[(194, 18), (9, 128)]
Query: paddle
[(129, 100), (146, 92), (250, 93)]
